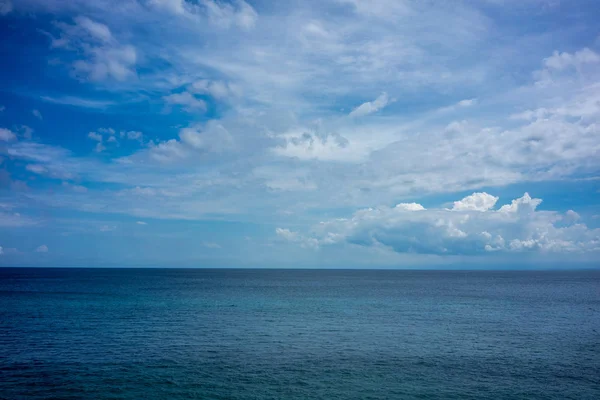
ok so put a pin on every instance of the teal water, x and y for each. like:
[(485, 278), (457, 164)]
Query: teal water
[(298, 334)]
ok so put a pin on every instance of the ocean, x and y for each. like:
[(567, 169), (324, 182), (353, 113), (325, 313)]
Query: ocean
[(298, 334)]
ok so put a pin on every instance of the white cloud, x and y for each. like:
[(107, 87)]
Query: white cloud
[(410, 207), (168, 151), (524, 204), (6, 7), (371, 106), (95, 136), (141, 223), (467, 103), (311, 146), (36, 168), (109, 131), (215, 88), (560, 61), (105, 58), (74, 188), (173, 6), (224, 15), (471, 228), (211, 245), (37, 114), (7, 135), (25, 132), (185, 99), (476, 202), (79, 102), (96, 30), (42, 249), (295, 237), (133, 135), (561, 64)]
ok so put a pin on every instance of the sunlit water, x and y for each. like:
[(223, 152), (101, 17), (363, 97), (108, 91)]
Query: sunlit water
[(299, 334)]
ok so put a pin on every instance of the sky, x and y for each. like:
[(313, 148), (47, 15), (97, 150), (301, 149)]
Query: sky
[(308, 134)]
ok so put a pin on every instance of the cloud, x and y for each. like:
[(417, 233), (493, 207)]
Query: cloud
[(95, 136), (36, 168), (79, 102), (6, 7), (371, 106), (42, 249), (561, 61), (470, 228), (15, 220), (524, 204), (25, 132), (295, 237), (141, 223), (37, 114), (211, 245), (105, 58), (211, 137), (134, 135), (218, 89), (476, 202), (172, 6), (225, 15), (410, 207), (561, 64), (185, 99), (7, 135)]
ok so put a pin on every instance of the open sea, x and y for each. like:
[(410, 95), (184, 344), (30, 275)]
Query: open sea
[(298, 334)]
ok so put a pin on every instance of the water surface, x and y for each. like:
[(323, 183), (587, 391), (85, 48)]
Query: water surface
[(298, 334)]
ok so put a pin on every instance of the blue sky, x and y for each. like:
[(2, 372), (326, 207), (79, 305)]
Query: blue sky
[(336, 133)]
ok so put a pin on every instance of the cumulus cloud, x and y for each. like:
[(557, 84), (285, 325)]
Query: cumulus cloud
[(295, 237), (105, 57), (95, 136), (7, 135), (172, 6), (218, 89), (36, 168), (410, 207), (561, 64), (470, 227), (186, 100), (311, 145), (225, 15), (6, 7), (132, 135), (42, 249), (476, 202), (211, 137), (371, 106), (560, 61)]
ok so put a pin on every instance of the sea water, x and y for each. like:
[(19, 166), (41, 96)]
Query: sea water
[(298, 334)]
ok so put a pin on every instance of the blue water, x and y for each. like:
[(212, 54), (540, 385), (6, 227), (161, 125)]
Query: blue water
[(299, 334)]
